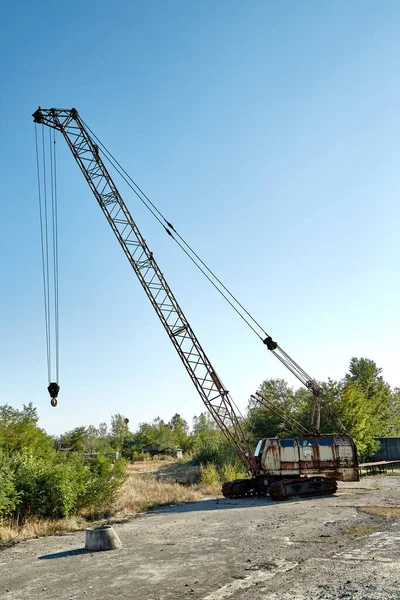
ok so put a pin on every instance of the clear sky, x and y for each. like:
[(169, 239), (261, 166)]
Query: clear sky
[(267, 132)]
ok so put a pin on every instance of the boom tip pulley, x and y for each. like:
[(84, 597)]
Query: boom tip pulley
[(38, 116)]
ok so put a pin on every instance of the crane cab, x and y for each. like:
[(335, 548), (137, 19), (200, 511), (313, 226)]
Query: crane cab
[(333, 456)]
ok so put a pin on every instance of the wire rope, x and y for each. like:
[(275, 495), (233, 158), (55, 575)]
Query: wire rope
[(54, 214), (43, 247), (152, 208), (48, 217), (232, 300), (282, 356)]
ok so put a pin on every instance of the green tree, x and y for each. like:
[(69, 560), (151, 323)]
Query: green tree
[(9, 497), (180, 432), (367, 375), (261, 421), (348, 402), (203, 425), (394, 427), (75, 440), (119, 430), (19, 432)]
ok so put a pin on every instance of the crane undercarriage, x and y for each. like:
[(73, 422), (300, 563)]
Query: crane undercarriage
[(279, 489)]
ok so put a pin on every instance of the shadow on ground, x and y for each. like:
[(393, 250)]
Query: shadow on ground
[(64, 554), (225, 503), (213, 504)]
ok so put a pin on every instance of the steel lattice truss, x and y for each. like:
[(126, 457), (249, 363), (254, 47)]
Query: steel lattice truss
[(213, 393)]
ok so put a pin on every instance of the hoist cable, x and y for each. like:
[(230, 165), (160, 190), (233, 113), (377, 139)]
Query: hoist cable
[(46, 237), (282, 356), (48, 215), (185, 251), (188, 254), (153, 210), (129, 181), (42, 240), (54, 211)]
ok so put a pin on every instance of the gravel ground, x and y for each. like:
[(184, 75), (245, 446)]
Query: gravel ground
[(311, 549)]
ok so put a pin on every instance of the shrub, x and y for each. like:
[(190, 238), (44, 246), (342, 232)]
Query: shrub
[(209, 474), (164, 457), (140, 456), (218, 461), (9, 496), (229, 472), (46, 489), (101, 482), (218, 451)]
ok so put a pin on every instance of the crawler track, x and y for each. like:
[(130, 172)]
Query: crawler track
[(281, 490), (287, 488)]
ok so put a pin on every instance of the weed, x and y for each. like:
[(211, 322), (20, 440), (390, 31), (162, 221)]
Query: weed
[(209, 474), (390, 512), (356, 531)]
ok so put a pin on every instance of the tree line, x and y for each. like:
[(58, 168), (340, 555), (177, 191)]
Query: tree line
[(53, 477), (362, 401)]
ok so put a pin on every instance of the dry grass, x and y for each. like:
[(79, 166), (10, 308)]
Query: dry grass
[(149, 484), (40, 527), (146, 466), (390, 512), (141, 492), (185, 473), (357, 531), (171, 484)]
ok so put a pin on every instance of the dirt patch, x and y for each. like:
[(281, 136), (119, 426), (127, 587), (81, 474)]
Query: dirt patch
[(390, 512), (141, 492), (356, 531), (148, 466)]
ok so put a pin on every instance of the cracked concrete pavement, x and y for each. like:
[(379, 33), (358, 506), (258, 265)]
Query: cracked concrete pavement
[(311, 549)]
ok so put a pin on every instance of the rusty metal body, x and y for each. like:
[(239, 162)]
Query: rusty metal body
[(331, 456), (304, 466)]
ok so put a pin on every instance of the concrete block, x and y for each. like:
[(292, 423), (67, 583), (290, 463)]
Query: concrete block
[(102, 538)]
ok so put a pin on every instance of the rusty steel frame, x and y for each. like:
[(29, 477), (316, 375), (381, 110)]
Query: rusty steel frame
[(208, 384)]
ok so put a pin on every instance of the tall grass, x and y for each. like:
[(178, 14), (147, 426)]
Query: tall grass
[(139, 492), (218, 461)]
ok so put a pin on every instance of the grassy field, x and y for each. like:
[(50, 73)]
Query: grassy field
[(148, 484)]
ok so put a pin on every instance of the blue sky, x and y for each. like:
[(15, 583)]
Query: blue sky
[(267, 132)]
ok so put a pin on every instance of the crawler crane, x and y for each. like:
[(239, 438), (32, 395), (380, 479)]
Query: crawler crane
[(310, 464)]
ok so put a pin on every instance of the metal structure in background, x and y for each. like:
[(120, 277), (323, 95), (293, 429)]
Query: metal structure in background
[(208, 384), (289, 420), (302, 376)]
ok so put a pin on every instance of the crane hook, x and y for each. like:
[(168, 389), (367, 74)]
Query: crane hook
[(53, 390)]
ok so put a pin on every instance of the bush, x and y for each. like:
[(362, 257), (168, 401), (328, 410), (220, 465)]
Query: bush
[(9, 496), (218, 461), (140, 456), (101, 482), (62, 487), (209, 474), (46, 489), (218, 451), (165, 457), (229, 472)]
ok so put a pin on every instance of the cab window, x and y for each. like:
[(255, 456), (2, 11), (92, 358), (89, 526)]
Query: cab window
[(325, 442), (287, 443), (260, 448)]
